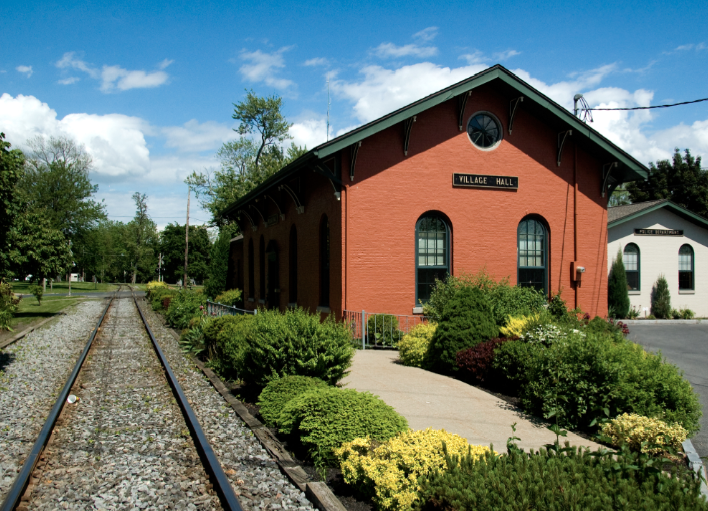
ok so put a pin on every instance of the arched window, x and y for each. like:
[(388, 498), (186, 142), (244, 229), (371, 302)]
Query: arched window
[(273, 295), (292, 266), (261, 270), (686, 280), (251, 272), (432, 258), (324, 262), (533, 255), (631, 266)]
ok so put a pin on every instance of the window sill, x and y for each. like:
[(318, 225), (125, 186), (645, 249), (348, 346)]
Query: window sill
[(323, 309), (261, 301), (417, 310), (292, 305), (635, 292), (250, 299), (687, 291)]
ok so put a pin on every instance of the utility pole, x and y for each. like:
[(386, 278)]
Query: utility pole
[(186, 241), (159, 268)]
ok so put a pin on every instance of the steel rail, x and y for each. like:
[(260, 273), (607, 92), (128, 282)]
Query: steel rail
[(209, 459), (12, 499)]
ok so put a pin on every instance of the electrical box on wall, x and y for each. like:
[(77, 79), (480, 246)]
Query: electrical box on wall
[(576, 271)]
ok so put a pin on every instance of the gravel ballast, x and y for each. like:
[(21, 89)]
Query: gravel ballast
[(254, 475), (32, 372), (124, 444)]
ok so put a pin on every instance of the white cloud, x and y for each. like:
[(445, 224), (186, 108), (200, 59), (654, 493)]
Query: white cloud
[(262, 67), (383, 90), (505, 55), (116, 77), (310, 132), (27, 70), (194, 137), (390, 50), (476, 57), (319, 61), (68, 81), (427, 34)]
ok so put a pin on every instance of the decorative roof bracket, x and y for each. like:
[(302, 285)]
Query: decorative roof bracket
[(407, 127), (334, 180), (606, 170), (513, 105), (562, 136), (354, 150), (250, 220), (461, 104), (280, 213), (298, 205), (259, 212)]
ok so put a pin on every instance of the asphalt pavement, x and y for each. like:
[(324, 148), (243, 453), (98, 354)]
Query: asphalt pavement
[(687, 347)]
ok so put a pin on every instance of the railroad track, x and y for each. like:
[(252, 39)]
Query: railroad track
[(128, 436)]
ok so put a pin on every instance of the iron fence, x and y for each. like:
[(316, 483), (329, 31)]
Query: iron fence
[(219, 309), (376, 330)]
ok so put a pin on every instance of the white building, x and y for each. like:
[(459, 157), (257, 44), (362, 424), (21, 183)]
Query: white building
[(660, 237)]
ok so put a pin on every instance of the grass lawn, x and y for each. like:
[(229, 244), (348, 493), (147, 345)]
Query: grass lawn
[(63, 287), (30, 311)]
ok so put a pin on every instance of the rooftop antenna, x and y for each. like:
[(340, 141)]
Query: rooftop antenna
[(584, 109), (328, 103)]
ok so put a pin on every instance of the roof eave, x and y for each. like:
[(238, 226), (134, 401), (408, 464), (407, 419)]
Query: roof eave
[(675, 208)]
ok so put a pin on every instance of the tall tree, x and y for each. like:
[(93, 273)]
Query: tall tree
[(11, 170), (681, 180), (140, 239), (617, 289), (172, 248), (219, 264), (248, 161), (56, 180)]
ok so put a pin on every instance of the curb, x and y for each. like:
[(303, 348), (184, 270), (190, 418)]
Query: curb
[(317, 492), (696, 463), (663, 321), (26, 331)]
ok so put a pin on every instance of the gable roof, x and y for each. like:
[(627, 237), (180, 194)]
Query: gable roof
[(620, 214), (629, 169)]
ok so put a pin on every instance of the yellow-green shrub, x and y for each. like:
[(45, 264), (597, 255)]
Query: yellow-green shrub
[(414, 345), (515, 325), (152, 285), (389, 471), (232, 297), (633, 429)]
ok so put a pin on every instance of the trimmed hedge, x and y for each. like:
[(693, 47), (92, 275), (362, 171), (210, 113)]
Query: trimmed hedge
[(573, 480), (279, 392), (295, 343), (325, 418), (466, 321)]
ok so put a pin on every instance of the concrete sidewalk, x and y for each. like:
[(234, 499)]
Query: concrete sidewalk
[(428, 399)]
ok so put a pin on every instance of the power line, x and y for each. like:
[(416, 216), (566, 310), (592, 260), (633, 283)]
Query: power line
[(650, 107)]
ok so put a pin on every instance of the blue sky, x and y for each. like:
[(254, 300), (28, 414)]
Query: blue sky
[(148, 87)]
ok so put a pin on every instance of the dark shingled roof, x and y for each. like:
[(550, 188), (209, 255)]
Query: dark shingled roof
[(619, 212)]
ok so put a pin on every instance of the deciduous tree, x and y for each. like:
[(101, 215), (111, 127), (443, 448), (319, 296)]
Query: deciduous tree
[(11, 171), (172, 248)]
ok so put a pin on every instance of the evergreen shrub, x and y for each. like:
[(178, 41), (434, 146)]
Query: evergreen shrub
[(158, 295), (466, 321), (279, 392), (225, 343), (413, 347), (232, 298), (388, 472), (548, 479), (617, 289), (516, 325), (295, 343), (183, 306), (325, 418), (661, 299), (475, 364)]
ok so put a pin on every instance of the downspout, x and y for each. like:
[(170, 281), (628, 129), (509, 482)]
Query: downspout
[(575, 215)]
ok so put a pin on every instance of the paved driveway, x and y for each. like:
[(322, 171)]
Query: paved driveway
[(687, 347)]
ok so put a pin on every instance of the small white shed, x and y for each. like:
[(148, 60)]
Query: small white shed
[(660, 237)]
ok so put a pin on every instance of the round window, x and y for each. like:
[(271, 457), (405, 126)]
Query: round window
[(484, 130)]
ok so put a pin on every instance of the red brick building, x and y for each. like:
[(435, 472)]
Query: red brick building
[(488, 172)]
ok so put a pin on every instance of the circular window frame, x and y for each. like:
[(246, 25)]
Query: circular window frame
[(499, 124)]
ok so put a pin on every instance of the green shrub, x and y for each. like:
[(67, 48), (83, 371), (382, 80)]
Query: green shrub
[(549, 480), (232, 297), (383, 330), (325, 418), (617, 289), (413, 348), (295, 343), (9, 303), (225, 343), (183, 307), (157, 296), (38, 291), (466, 321), (505, 300), (687, 313), (279, 392), (192, 340), (661, 299)]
